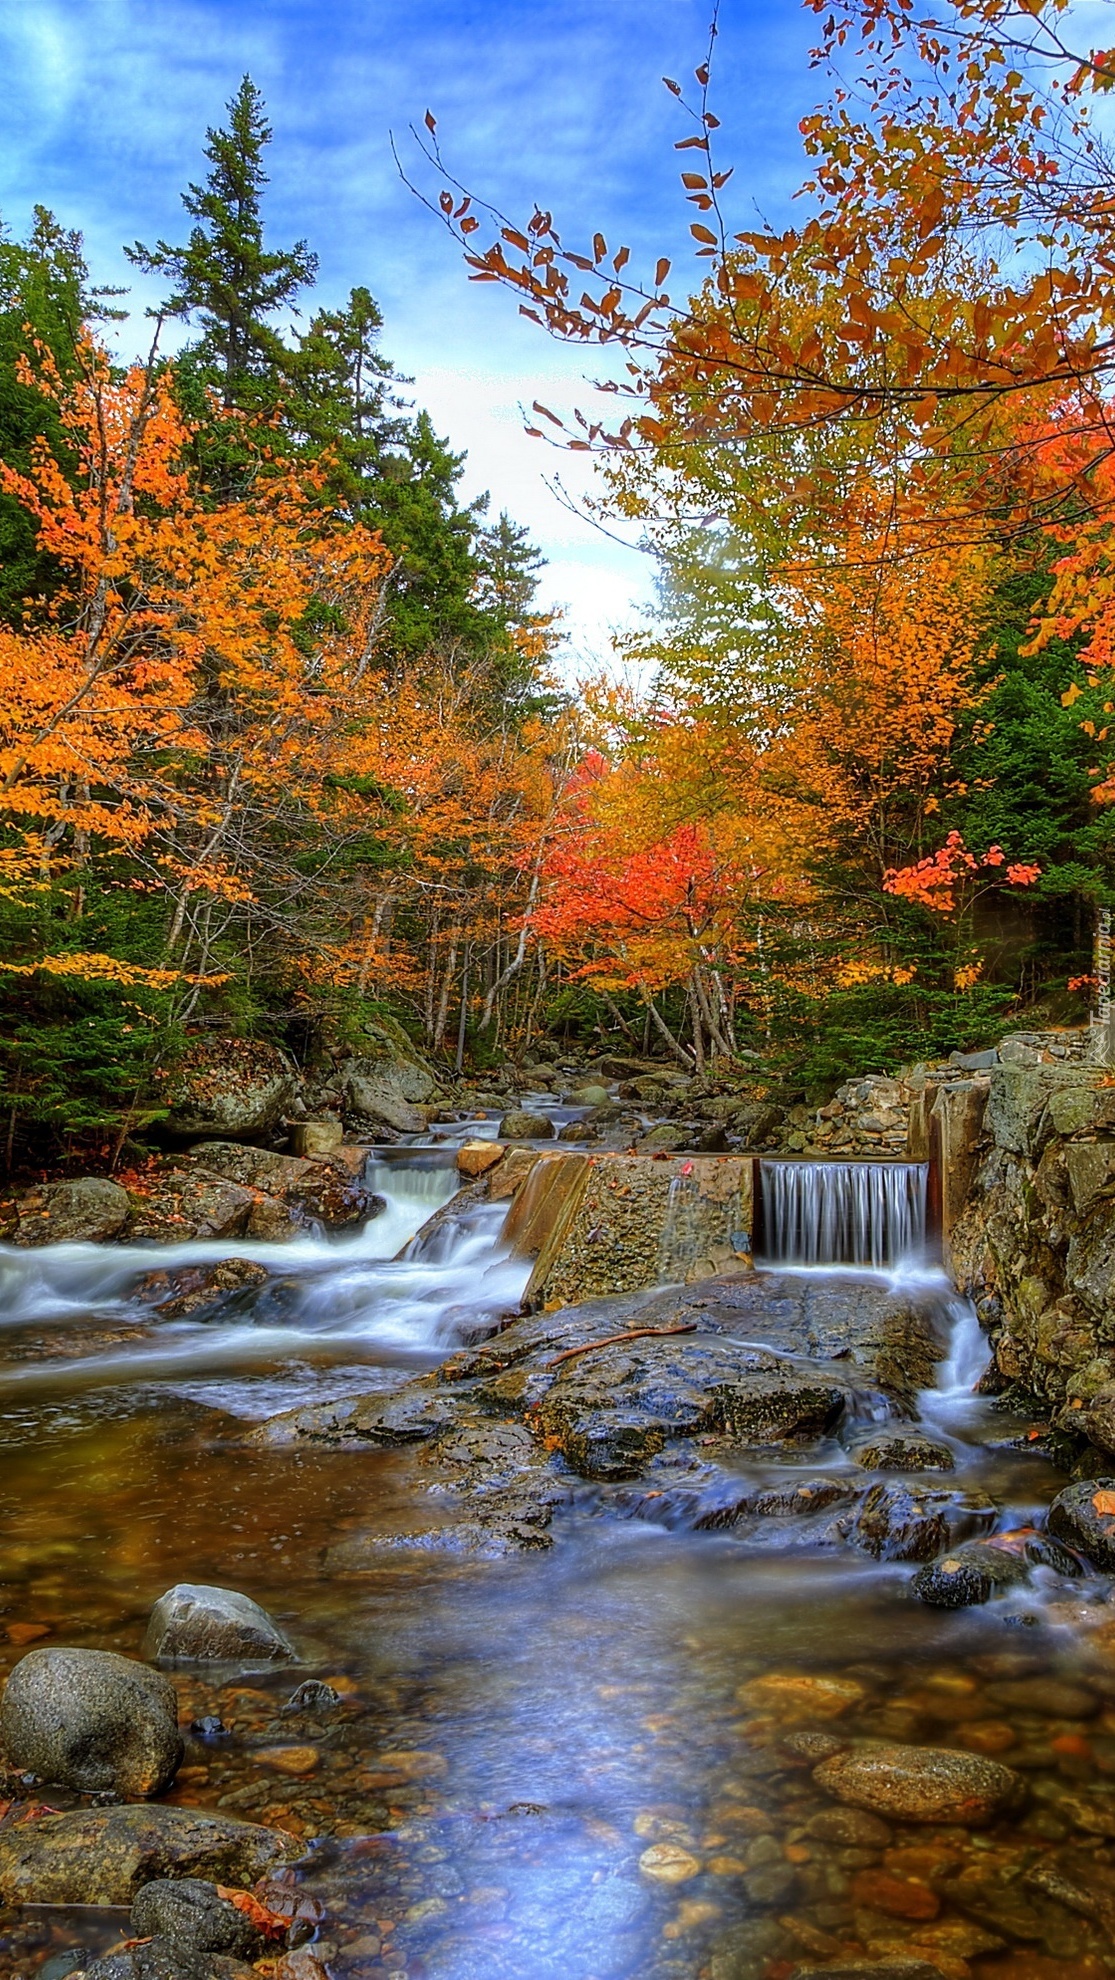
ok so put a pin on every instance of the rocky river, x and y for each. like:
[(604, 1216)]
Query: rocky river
[(703, 1630)]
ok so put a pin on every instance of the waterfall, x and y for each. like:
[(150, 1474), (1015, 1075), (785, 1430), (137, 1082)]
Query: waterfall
[(842, 1213)]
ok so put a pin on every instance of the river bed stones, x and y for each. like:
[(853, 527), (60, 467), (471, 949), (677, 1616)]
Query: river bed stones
[(93, 1721), (104, 1855), (920, 1783), (868, 1969), (195, 1623)]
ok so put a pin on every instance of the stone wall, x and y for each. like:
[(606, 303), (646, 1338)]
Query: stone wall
[(1031, 1229)]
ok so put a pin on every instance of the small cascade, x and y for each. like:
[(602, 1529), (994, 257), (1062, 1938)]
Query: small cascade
[(843, 1213)]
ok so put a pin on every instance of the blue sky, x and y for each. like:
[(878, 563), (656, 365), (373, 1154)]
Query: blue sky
[(107, 102)]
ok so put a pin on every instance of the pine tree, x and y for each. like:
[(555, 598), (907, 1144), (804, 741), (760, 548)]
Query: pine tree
[(224, 276)]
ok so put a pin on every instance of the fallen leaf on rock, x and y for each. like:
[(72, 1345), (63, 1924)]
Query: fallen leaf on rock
[(1104, 1502), (270, 1923)]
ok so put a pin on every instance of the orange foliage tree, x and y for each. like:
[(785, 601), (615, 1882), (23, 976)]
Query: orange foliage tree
[(207, 701)]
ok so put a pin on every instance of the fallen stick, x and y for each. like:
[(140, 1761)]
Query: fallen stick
[(614, 1340)]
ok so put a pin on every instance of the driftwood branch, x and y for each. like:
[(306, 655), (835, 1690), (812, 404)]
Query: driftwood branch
[(615, 1340)]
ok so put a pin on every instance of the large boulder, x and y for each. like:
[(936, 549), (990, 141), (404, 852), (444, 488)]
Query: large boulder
[(387, 1082), (93, 1721), (193, 1623), (323, 1190), (920, 1783), (85, 1210), (105, 1855), (175, 1203), (229, 1086)]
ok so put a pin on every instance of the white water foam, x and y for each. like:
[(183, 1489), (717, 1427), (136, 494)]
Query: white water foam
[(369, 1297)]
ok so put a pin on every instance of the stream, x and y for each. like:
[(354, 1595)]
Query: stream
[(577, 1764)]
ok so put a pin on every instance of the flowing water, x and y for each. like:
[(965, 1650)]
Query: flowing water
[(564, 1766), (843, 1213)]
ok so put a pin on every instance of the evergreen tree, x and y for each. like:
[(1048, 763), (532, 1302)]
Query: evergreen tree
[(509, 567), (341, 394), (224, 277), (45, 296)]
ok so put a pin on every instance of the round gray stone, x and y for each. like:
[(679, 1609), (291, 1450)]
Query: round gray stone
[(193, 1913), (93, 1721), (195, 1624)]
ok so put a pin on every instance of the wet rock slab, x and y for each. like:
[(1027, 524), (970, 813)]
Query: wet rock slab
[(104, 1855), (603, 1391), (194, 1623)]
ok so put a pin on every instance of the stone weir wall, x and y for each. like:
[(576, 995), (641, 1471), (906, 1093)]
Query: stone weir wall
[(603, 1224), (1026, 1155)]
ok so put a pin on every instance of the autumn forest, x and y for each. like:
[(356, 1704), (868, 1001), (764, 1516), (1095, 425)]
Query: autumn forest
[(287, 742)]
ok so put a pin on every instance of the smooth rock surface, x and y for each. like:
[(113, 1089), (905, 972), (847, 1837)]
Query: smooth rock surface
[(85, 1210), (475, 1158), (920, 1783), (90, 1720), (104, 1855), (194, 1623)]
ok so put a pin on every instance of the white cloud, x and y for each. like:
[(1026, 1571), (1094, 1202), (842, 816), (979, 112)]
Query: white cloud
[(108, 101)]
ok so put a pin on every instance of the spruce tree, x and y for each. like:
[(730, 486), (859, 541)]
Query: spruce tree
[(342, 394), (224, 277)]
